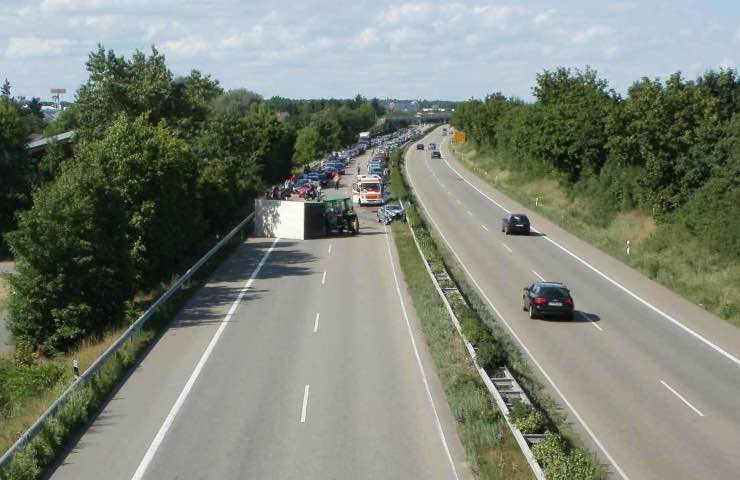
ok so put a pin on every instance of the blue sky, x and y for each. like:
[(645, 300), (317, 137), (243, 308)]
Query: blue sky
[(417, 49)]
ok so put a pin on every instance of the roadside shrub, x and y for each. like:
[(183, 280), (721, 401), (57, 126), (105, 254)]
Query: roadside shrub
[(549, 450), (490, 355), (528, 419), (576, 466), (24, 466)]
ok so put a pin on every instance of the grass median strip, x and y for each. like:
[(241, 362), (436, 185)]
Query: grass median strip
[(491, 450)]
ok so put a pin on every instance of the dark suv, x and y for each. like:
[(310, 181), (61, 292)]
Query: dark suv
[(420, 146), (548, 299), (436, 154), (515, 223)]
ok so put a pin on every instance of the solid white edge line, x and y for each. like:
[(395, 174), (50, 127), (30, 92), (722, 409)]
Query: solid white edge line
[(606, 277), (316, 323), (519, 340), (305, 404), (507, 247), (323, 278), (538, 275), (680, 397), (440, 431), (162, 433)]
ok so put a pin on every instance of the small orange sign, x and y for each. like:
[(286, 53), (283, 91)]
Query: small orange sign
[(459, 136)]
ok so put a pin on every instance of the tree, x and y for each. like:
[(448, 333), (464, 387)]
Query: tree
[(659, 128), (308, 145), (571, 112), (5, 90), (238, 102), (142, 85), (74, 271), (15, 168), (154, 174)]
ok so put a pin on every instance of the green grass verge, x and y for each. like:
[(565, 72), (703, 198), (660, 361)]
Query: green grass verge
[(29, 386), (4, 292), (491, 450), (665, 253)]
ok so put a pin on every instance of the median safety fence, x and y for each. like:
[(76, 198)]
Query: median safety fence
[(91, 372), (524, 445)]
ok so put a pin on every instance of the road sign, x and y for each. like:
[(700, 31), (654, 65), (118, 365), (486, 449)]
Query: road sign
[(460, 136)]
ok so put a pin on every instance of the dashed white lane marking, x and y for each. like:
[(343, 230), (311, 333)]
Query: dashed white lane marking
[(329, 251), (458, 201), (159, 438), (470, 213), (323, 278), (539, 276), (305, 404), (484, 227), (507, 247), (316, 323), (680, 397)]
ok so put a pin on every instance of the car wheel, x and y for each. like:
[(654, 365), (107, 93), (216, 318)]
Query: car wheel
[(524, 305), (532, 315), (507, 231)]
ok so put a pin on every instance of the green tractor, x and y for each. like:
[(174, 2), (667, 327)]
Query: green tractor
[(339, 215)]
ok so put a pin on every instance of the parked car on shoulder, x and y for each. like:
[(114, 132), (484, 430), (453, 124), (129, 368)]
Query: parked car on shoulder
[(390, 212), (553, 299), (515, 223)]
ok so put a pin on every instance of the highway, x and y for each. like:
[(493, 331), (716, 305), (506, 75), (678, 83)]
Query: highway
[(649, 380), (298, 360)]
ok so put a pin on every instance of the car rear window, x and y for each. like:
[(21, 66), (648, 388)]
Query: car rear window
[(554, 292), (519, 218)]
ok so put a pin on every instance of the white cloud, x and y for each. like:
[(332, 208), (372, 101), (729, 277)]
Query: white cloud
[(365, 38), (595, 31), (87, 5), (494, 15), (543, 18), (153, 29), (405, 12), (185, 47), (100, 22), (23, 47), (727, 63), (249, 38)]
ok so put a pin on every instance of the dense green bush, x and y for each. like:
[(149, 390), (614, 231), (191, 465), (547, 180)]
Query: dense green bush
[(528, 419)]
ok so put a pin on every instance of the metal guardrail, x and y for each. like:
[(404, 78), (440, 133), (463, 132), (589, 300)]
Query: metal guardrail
[(90, 372)]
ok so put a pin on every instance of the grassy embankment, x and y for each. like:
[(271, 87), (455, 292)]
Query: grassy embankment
[(491, 449), (664, 253), (29, 385)]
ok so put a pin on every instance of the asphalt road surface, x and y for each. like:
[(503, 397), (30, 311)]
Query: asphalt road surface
[(651, 381), (316, 373)]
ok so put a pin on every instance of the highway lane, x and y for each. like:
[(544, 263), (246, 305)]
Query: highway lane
[(314, 376), (658, 401)]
